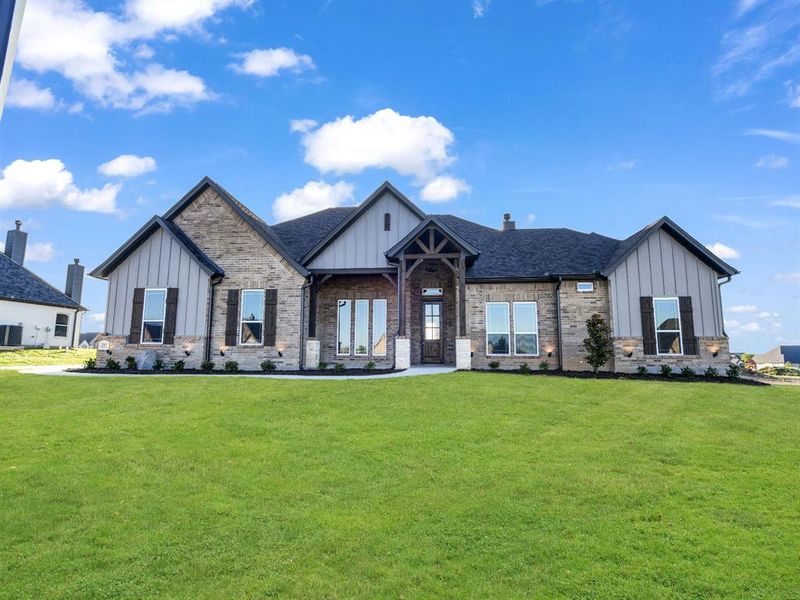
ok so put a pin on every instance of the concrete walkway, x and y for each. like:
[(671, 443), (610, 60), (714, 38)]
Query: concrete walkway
[(62, 371)]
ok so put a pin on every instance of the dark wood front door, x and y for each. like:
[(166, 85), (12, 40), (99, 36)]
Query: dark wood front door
[(432, 332)]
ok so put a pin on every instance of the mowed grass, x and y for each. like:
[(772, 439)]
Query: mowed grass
[(53, 356), (459, 486)]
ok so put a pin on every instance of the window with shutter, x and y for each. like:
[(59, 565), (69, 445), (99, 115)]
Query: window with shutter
[(232, 318), (648, 325), (270, 316), (687, 325), (135, 334), (171, 316)]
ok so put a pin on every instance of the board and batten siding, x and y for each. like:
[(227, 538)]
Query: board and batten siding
[(159, 262), (363, 243), (662, 267)]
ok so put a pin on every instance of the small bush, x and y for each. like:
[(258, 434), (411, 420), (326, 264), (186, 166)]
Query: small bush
[(687, 372), (338, 367), (641, 370), (370, 366), (732, 372), (322, 366), (130, 363), (90, 363), (178, 366), (666, 370), (268, 366), (494, 365), (231, 366), (544, 366), (112, 365), (711, 372), (524, 368), (158, 365), (207, 365)]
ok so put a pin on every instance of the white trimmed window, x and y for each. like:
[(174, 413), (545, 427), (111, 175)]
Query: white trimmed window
[(379, 327), (361, 345), (153, 314), (343, 328), (585, 286), (667, 316), (62, 323), (498, 333), (526, 329), (251, 323)]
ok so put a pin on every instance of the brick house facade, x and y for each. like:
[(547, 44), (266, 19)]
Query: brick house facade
[(385, 283)]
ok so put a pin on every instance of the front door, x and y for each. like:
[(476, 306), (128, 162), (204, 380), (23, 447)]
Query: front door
[(432, 343)]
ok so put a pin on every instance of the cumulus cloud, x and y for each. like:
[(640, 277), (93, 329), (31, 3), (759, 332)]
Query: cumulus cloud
[(270, 62), (128, 165), (415, 146), (313, 196), (23, 93), (444, 188), (743, 308), (772, 161), (723, 251), (40, 183), (151, 17), (733, 326)]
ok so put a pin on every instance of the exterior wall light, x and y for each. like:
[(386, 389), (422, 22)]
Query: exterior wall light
[(222, 351)]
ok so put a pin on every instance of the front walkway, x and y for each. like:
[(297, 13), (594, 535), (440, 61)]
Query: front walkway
[(414, 371)]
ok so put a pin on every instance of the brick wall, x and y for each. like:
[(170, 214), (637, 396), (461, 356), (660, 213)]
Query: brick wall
[(706, 347), (576, 308), (120, 349)]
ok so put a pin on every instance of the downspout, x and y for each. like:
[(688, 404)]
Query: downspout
[(399, 317), (558, 324), (303, 289), (210, 319), (719, 285)]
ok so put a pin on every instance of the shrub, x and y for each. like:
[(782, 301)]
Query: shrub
[(641, 370), (178, 366), (338, 367), (158, 364), (322, 366), (370, 365), (544, 366), (687, 372), (207, 365), (494, 365), (130, 363), (112, 365), (268, 366), (231, 366), (90, 363), (524, 368), (598, 344), (732, 372), (711, 372), (666, 370)]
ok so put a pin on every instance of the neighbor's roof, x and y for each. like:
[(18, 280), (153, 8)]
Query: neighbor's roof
[(21, 285)]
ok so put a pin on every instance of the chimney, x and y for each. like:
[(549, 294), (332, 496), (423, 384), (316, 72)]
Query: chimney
[(16, 240), (508, 224), (75, 281)]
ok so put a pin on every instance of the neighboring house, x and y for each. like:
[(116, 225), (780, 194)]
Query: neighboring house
[(32, 312), (384, 282), (88, 340), (778, 357)]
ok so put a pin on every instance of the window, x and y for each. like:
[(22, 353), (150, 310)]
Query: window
[(668, 326), (585, 286), (361, 345), (379, 327), (433, 321), (62, 321), (343, 328), (251, 326), (497, 328), (387, 222), (155, 306), (526, 329)]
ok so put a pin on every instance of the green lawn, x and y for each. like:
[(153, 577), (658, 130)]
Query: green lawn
[(53, 356), (461, 485)]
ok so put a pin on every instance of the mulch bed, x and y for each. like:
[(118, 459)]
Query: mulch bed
[(326, 372), (675, 377)]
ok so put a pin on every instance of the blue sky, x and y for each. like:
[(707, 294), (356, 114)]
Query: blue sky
[(598, 116)]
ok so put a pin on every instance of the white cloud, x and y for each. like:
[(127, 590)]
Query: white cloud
[(743, 308), (767, 315), (479, 8), (745, 6), (97, 317), (789, 201), (732, 326), (40, 252), (417, 146), (26, 94), (776, 134), (624, 165), (444, 188), (772, 161), (40, 183), (313, 196), (723, 251), (531, 218), (144, 52), (788, 277), (269, 62), (128, 165), (176, 14), (793, 93), (302, 125)]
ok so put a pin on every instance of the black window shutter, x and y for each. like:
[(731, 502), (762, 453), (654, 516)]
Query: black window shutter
[(648, 325), (687, 325), (270, 316), (135, 335), (171, 316), (232, 318)]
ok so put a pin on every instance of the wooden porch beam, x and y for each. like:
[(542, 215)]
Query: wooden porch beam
[(433, 256), (413, 266)]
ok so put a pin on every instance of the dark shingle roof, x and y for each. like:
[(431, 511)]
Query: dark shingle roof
[(302, 234), (21, 285)]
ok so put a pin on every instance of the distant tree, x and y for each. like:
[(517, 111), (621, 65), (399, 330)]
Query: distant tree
[(747, 356), (598, 344)]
